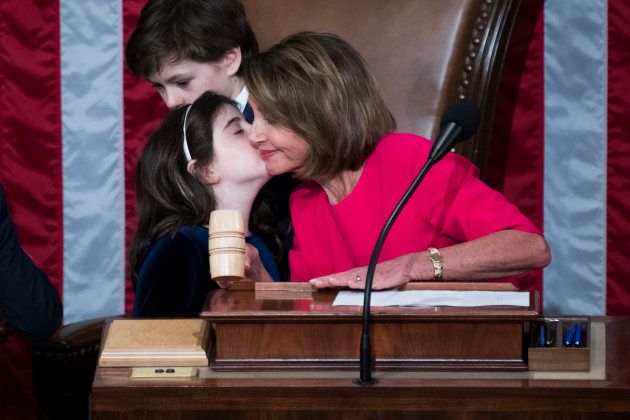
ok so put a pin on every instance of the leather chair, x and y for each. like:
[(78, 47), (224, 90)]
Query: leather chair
[(63, 370), (424, 53)]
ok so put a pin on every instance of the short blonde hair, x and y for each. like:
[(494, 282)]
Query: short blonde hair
[(319, 87)]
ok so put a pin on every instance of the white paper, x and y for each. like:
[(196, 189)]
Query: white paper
[(434, 298)]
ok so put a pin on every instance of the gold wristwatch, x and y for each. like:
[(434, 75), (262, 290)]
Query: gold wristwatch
[(436, 259)]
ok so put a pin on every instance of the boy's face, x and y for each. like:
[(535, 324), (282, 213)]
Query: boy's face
[(183, 82)]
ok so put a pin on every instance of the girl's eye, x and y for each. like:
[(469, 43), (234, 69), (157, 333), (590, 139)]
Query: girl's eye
[(182, 83)]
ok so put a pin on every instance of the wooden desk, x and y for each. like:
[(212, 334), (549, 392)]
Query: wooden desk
[(398, 395), (254, 330)]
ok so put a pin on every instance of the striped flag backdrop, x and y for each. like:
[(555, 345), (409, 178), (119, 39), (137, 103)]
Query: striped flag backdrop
[(561, 148), (73, 120)]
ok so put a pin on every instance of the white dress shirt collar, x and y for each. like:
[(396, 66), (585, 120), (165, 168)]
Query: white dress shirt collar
[(241, 99)]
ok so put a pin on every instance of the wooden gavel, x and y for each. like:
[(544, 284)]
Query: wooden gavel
[(226, 245)]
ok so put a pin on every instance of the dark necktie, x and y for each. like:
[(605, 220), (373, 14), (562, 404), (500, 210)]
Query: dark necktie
[(248, 113)]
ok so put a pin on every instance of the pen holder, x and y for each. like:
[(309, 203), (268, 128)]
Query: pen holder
[(559, 344), (226, 245)]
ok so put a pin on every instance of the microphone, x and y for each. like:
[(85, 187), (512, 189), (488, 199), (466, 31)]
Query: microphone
[(458, 123)]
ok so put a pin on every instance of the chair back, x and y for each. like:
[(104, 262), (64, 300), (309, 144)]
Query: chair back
[(424, 53)]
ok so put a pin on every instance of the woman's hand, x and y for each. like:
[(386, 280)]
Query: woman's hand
[(499, 254), (254, 269), (388, 274)]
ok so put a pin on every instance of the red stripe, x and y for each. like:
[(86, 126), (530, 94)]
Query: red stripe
[(30, 163), (144, 111), (618, 205), (517, 152), (30, 123)]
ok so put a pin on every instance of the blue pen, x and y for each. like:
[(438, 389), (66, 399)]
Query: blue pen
[(549, 341), (541, 335), (577, 339), (569, 338)]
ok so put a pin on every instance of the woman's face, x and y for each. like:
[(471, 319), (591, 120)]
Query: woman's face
[(281, 149), (235, 160)]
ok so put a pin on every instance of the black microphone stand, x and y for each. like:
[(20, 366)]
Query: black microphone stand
[(458, 123), (365, 361)]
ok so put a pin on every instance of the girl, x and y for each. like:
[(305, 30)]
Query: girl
[(198, 160)]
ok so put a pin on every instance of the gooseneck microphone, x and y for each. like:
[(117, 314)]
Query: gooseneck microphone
[(458, 123)]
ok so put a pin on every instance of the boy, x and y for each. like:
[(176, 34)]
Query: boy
[(186, 47)]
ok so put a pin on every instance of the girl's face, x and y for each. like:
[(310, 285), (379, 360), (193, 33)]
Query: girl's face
[(235, 160)]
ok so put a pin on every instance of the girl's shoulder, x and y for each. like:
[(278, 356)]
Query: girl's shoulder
[(186, 238)]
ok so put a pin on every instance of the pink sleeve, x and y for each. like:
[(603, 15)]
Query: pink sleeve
[(468, 208), (298, 267)]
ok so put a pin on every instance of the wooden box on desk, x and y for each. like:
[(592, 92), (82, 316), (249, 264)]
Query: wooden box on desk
[(555, 355), (291, 326), (155, 342)]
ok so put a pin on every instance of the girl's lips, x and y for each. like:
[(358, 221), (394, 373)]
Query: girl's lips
[(265, 154)]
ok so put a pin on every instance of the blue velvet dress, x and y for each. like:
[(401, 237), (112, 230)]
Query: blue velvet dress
[(174, 277)]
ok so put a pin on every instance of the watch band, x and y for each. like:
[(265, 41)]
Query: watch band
[(436, 259)]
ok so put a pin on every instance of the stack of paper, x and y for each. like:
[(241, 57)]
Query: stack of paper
[(470, 298)]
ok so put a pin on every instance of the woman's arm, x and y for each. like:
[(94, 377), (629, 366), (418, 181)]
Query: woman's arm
[(499, 254)]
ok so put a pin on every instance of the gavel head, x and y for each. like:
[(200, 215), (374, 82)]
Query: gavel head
[(226, 245)]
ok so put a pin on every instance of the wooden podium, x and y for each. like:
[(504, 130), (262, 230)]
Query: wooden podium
[(280, 326), (415, 387)]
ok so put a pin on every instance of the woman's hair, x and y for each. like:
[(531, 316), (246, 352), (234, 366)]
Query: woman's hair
[(318, 86), (167, 195), (169, 31)]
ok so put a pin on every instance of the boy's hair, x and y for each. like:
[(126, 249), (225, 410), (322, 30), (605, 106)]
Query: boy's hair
[(170, 31)]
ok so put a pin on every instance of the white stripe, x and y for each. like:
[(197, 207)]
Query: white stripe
[(575, 155), (93, 166)]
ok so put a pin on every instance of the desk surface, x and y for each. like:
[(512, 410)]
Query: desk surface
[(310, 394)]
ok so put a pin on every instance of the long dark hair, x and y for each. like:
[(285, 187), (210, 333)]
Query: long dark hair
[(167, 195)]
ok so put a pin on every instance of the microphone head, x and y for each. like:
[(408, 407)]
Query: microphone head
[(465, 114)]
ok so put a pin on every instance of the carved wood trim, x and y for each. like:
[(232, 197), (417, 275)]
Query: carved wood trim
[(481, 74)]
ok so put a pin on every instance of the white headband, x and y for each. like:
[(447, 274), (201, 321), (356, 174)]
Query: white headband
[(186, 149)]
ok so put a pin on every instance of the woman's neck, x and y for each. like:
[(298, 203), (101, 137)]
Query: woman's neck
[(237, 197), (340, 186)]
